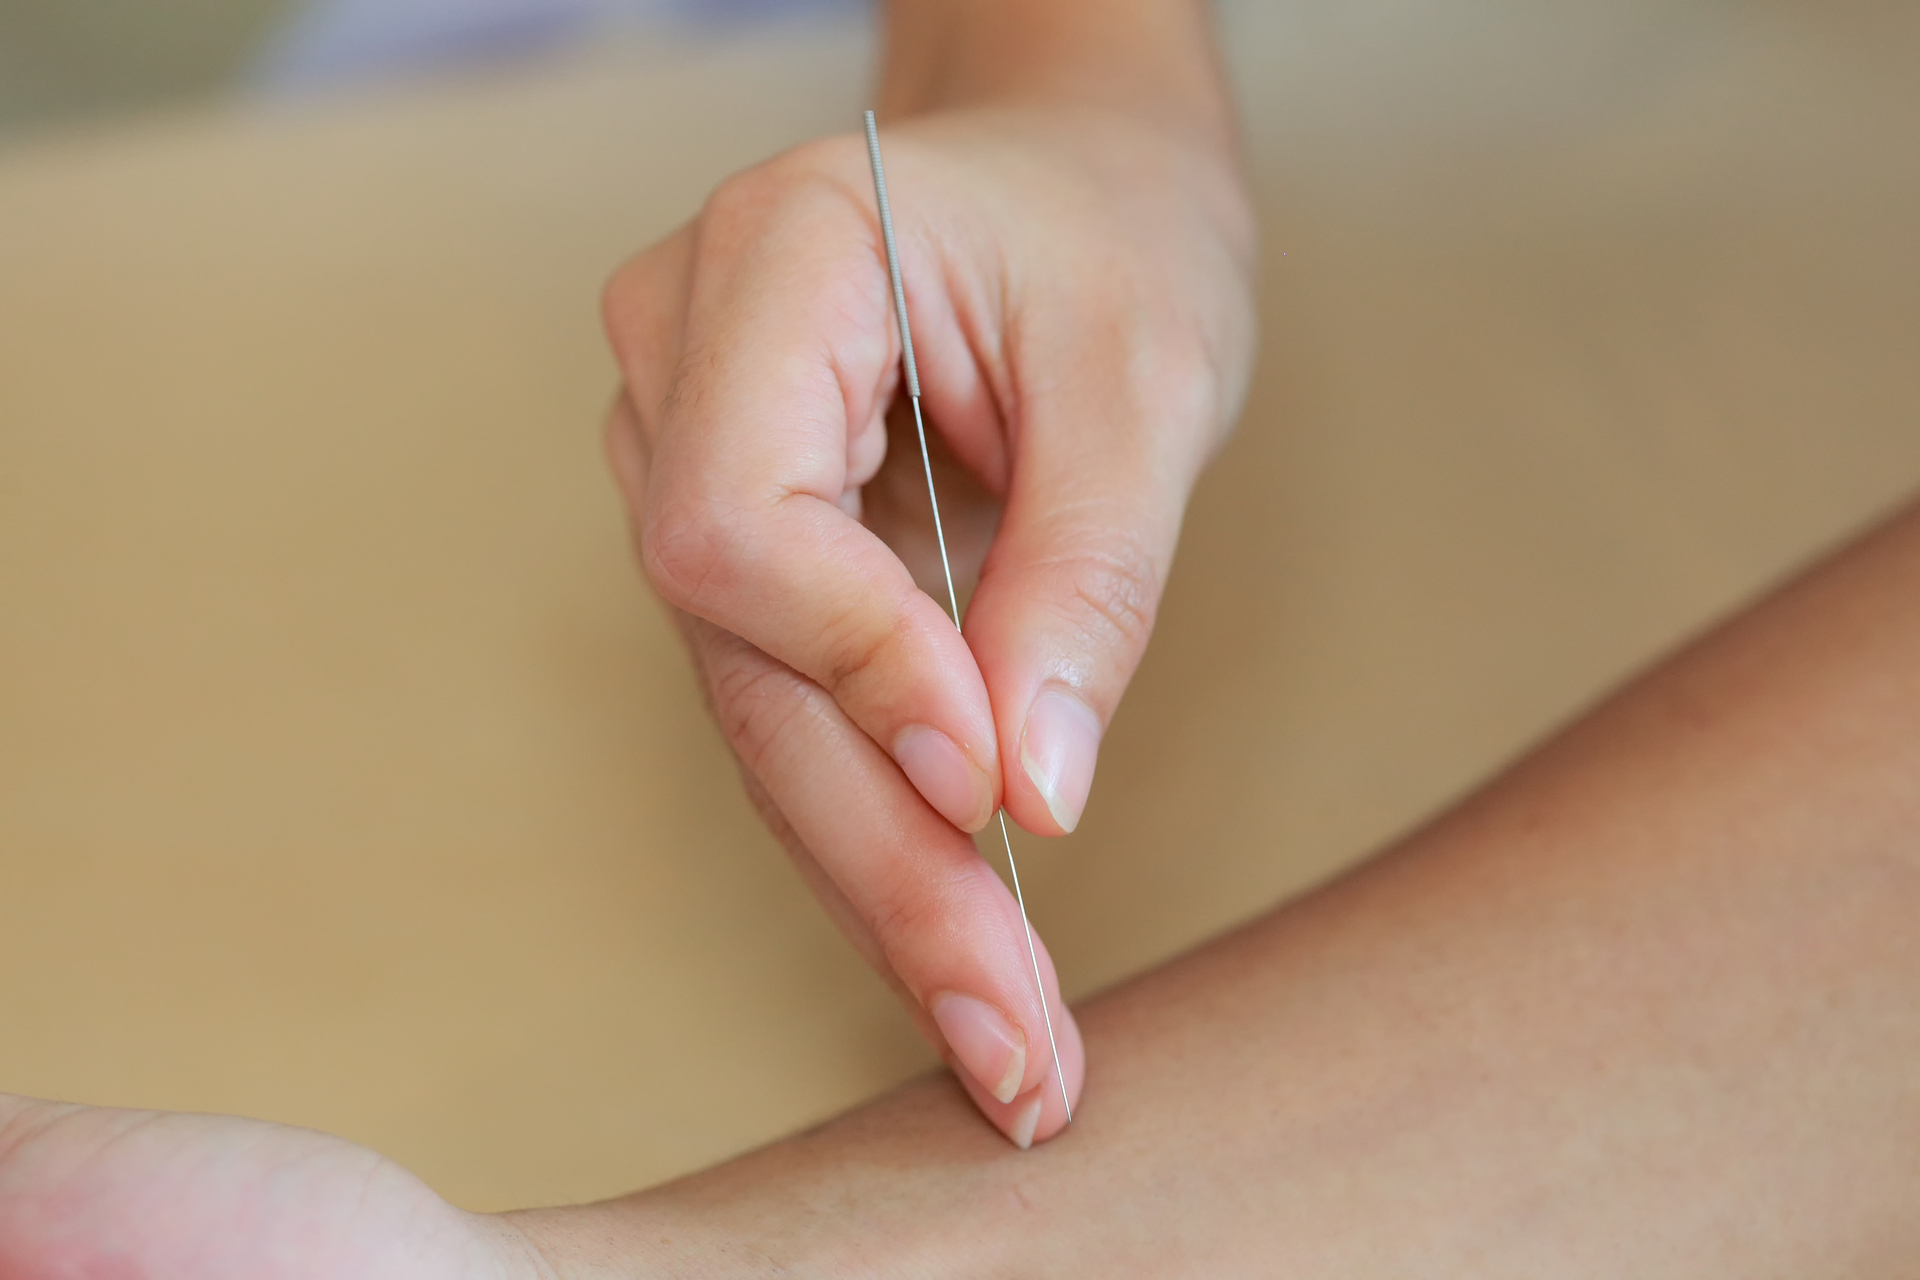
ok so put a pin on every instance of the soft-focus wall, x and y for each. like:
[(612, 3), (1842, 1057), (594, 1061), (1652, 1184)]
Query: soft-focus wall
[(63, 61)]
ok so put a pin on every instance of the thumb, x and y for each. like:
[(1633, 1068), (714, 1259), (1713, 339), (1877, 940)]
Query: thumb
[(1068, 595)]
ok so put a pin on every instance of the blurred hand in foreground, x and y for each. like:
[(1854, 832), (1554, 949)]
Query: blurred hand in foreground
[(109, 1194)]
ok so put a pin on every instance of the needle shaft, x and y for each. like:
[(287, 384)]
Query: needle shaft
[(946, 566)]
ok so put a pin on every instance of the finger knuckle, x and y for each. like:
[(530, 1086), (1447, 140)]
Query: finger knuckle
[(825, 162), (1199, 384), (1112, 594), (855, 650), (641, 312), (757, 706), (902, 919), (685, 551), (628, 282), (743, 195), (926, 901), (633, 296), (791, 186)]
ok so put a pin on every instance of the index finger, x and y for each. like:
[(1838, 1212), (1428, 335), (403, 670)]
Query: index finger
[(788, 357)]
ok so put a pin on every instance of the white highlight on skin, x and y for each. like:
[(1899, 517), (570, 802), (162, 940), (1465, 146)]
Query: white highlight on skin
[(1009, 1085), (1025, 1122)]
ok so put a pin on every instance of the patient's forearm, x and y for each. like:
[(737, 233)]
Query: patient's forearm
[(1648, 1005)]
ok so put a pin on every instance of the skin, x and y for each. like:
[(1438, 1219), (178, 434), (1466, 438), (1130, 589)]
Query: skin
[(1077, 248), (1641, 1006)]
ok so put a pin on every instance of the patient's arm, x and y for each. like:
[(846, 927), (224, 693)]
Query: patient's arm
[(1647, 1006)]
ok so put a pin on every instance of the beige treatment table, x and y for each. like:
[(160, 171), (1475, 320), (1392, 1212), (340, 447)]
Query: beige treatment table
[(349, 777)]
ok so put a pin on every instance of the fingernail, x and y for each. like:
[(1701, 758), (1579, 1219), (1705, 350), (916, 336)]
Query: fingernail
[(941, 772), (992, 1050), (1057, 750), (1026, 1120)]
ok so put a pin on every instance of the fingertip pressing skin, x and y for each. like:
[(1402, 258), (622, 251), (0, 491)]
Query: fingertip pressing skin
[(907, 881), (1035, 1116), (1033, 1107)]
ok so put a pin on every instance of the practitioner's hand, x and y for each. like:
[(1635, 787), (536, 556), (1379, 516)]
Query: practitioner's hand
[(1078, 286), (1642, 1007), (92, 1192)]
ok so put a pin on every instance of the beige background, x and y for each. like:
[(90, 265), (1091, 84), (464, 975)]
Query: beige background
[(348, 776), (68, 61)]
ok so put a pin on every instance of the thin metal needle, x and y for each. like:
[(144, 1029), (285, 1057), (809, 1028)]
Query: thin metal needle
[(953, 598)]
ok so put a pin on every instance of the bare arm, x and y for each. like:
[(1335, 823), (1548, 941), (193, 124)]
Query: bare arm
[(1644, 1006)]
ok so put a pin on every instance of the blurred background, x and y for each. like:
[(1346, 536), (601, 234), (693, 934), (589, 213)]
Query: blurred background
[(349, 776), (70, 61)]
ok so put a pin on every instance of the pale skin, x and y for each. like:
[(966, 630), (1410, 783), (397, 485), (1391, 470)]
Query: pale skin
[(1642, 1006), (1077, 248)]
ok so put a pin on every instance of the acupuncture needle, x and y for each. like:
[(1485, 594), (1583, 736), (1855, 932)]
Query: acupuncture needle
[(946, 567)]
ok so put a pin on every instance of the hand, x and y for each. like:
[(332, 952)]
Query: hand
[(88, 1191), (1077, 284), (1641, 1007), (1644, 1007)]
